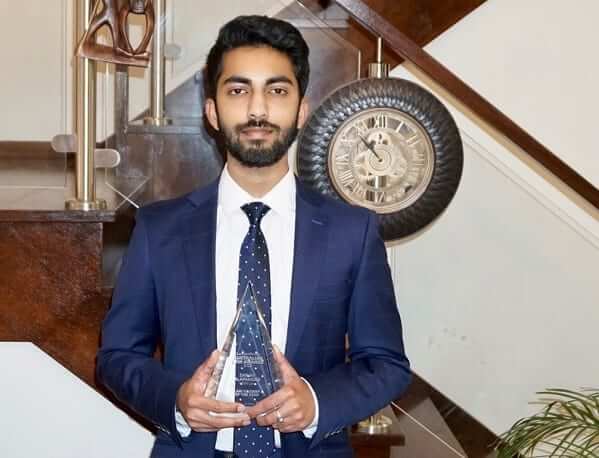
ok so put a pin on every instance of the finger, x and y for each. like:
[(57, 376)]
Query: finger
[(270, 403), (201, 428), (274, 418), (213, 405), (287, 415), (199, 425), (201, 419), (208, 417), (287, 427), (201, 376), (223, 421), (287, 370), (204, 370)]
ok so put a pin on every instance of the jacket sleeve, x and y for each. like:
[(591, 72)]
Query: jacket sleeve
[(378, 370), (130, 334)]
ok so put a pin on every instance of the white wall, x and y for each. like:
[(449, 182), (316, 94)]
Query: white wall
[(500, 296), (35, 80), (534, 60), (36, 89), (49, 412)]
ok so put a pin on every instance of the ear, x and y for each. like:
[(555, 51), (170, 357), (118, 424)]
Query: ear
[(302, 114), (211, 114)]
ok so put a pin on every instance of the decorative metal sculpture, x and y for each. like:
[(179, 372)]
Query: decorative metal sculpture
[(114, 14)]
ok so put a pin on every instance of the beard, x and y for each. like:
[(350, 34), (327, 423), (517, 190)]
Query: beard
[(256, 154)]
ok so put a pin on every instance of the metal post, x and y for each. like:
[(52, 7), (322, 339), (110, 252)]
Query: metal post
[(86, 122), (158, 83), (378, 69)]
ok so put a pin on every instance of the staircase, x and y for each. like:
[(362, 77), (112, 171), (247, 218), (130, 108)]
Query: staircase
[(57, 267)]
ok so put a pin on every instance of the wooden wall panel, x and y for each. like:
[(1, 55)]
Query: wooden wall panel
[(50, 289)]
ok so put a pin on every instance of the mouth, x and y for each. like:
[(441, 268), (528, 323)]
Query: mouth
[(256, 133)]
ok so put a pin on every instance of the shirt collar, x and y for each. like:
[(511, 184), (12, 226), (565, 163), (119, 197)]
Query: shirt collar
[(280, 199)]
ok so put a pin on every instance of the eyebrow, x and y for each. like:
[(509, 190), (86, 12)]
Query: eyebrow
[(273, 80), (278, 79), (237, 79)]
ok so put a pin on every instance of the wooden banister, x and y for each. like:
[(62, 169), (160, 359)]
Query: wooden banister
[(412, 52)]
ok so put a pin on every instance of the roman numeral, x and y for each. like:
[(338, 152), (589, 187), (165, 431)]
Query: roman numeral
[(379, 197), (413, 140), (399, 126), (342, 159), (359, 190), (361, 129), (412, 177), (380, 121), (347, 142), (346, 177)]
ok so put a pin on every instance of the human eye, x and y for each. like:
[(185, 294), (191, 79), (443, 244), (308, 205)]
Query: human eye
[(237, 91), (279, 91)]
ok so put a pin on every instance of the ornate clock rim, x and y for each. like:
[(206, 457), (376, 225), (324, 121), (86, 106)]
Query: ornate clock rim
[(386, 93)]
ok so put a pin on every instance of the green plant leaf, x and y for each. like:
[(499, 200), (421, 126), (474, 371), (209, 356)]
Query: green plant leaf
[(567, 426)]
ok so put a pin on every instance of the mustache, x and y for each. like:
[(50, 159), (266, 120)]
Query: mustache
[(254, 124)]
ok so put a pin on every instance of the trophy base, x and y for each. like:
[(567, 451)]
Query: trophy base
[(377, 435)]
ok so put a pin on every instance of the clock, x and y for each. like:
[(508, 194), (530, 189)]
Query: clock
[(386, 144)]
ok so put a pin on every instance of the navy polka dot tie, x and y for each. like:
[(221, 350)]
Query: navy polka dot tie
[(253, 441)]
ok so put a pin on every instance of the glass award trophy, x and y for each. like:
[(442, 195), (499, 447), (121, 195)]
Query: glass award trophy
[(259, 375)]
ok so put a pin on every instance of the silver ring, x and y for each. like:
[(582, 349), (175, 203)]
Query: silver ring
[(280, 419)]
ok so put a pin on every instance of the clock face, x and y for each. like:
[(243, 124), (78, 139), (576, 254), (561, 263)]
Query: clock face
[(381, 159)]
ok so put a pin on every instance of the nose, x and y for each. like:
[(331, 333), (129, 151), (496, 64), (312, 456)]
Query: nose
[(257, 108)]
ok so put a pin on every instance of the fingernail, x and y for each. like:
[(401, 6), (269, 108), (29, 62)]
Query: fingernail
[(246, 422), (241, 408)]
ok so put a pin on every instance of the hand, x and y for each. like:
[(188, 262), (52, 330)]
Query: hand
[(196, 408), (293, 402)]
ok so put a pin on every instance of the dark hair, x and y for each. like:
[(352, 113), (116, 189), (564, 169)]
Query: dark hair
[(258, 31)]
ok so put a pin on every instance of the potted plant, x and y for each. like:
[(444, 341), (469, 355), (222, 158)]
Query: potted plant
[(567, 426)]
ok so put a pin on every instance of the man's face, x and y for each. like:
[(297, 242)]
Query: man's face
[(257, 107)]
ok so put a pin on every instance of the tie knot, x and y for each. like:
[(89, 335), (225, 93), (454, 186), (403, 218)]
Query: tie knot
[(255, 211)]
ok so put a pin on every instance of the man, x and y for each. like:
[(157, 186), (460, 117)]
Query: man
[(324, 271)]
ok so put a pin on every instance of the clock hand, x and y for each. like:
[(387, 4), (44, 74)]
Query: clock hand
[(370, 147)]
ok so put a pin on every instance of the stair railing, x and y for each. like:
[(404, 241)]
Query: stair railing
[(85, 198)]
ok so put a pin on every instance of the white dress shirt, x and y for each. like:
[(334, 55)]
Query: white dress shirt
[(278, 226)]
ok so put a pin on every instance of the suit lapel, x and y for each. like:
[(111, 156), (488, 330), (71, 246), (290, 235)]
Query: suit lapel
[(199, 251), (311, 232)]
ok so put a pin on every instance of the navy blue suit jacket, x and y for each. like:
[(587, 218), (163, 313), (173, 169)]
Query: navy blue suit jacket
[(341, 285)]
